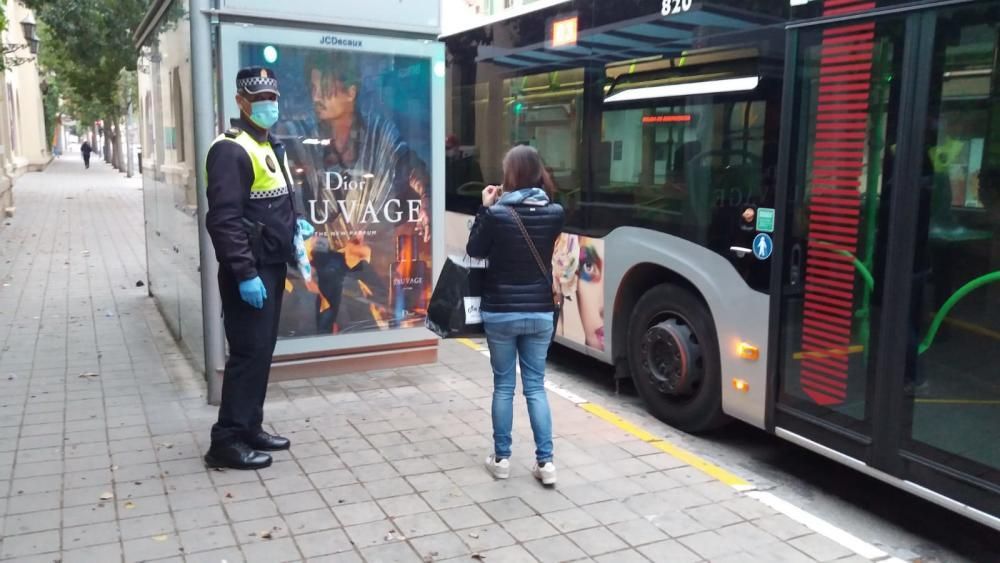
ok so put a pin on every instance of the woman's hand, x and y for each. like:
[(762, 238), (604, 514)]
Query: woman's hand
[(491, 194)]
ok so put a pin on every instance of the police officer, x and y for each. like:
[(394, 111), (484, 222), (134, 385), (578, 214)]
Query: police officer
[(252, 222)]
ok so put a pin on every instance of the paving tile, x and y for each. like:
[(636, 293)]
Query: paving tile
[(323, 543), (669, 551), (30, 522), (404, 505), (345, 495), (227, 554), (272, 551), (507, 509), (713, 516), (392, 553), (638, 532), (452, 497), (530, 528), (571, 520), (209, 538), (358, 513), (80, 515), (345, 557), (388, 488), (92, 554), (311, 521), (464, 517), (251, 509), (424, 524), (200, 517), (610, 512), (509, 554), (299, 502), (782, 527), (439, 547), (29, 544), (374, 533), (819, 547), (708, 545), (147, 526), (554, 550), (254, 531), (149, 548), (482, 538)]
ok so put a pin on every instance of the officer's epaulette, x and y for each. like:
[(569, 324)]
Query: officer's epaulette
[(233, 132)]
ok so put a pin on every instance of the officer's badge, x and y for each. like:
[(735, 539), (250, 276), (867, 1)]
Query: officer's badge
[(270, 164)]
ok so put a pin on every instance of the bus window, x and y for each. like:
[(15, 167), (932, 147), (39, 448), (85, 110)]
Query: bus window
[(689, 168), (951, 383), (545, 111)]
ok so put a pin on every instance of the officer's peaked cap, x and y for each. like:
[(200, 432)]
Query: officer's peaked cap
[(256, 80)]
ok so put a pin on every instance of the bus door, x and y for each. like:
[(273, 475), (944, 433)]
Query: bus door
[(887, 321)]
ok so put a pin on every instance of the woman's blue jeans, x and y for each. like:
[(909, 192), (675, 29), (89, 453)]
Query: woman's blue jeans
[(527, 340)]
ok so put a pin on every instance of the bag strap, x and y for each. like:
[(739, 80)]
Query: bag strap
[(531, 244)]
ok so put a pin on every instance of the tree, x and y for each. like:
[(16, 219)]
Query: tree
[(87, 45)]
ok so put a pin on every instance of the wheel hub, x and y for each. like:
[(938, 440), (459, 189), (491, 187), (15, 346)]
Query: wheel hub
[(671, 357)]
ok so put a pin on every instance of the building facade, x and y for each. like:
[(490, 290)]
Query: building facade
[(23, 146)]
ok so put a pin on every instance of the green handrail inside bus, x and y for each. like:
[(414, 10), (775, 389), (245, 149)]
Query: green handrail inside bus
[(966, 289)]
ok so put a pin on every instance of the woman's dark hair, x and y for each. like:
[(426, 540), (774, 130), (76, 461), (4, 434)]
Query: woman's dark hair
[(522, 168)]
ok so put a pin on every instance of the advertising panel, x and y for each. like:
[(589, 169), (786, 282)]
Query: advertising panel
[(357, 127)]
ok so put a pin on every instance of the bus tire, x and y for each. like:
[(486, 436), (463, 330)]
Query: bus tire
[(673, 355)]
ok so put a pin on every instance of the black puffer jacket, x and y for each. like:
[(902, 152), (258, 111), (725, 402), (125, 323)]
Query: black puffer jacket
[(513, 282)]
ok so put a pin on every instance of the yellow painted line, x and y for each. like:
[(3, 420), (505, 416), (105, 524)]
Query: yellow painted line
[(670, 449), (957, 402), (470, 344), (833, 352)]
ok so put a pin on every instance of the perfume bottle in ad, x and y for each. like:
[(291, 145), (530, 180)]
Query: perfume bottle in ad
[(410, 276)]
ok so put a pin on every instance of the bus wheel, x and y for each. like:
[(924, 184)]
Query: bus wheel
[(673, 355)]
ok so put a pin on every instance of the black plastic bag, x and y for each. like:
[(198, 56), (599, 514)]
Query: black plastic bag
[(454, 308)]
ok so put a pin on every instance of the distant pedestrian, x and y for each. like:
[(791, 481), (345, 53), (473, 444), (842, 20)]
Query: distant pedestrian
[(517, 232), (86, 150), (252, 222)]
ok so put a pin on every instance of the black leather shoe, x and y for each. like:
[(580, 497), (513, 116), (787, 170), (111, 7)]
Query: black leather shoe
[(236, 456), (269, 443)]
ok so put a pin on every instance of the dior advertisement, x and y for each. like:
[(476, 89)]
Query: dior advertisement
[(357, 127)]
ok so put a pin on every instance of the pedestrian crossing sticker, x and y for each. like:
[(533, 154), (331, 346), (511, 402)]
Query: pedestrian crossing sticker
[(763, 246)]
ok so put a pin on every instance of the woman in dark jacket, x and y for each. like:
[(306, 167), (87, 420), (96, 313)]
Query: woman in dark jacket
[(517, 302)]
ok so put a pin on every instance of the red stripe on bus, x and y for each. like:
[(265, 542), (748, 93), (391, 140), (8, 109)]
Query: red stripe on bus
[(833, 79), (846, 304), (861, 57), (816, 383), (835, 377), (826, 343), (835, 184), (837, 321), (853, 221), (841, 284), (827, 68), (856, 28), (865, 47), (817, 324), (825, 257), (834, 210), (839, 145), (823, 356), (837, 154), (827, 382), (840, 135), (834, 229), (866, 36), (840, 164), (833, 273), (858, 126), (822, 399), (854, 87), (819, 290)]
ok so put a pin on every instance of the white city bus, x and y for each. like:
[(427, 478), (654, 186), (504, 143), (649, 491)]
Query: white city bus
[(783, 213)]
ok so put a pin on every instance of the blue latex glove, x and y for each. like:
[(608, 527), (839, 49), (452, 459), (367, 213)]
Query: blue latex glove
[(253, 292), (305, 229)]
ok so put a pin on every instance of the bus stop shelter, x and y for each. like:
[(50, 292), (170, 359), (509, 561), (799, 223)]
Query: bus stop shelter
[(362, 110)]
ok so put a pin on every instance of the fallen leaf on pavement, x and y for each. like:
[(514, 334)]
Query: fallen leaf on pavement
[(478, 556), (266, 534), (89, 374), (129, 505), (107, 496), (166, 445), (161, 537), (229, 495), (474, 535)]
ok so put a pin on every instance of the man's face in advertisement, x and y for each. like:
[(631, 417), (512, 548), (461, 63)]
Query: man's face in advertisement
[(332, 99)]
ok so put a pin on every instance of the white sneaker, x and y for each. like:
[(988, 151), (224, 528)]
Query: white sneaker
[(499, 469), (545, 473)]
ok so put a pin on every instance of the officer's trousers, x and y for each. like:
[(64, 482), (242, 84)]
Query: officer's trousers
[(252, 334)]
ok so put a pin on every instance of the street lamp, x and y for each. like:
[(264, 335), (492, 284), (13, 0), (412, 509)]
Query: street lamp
[(28, 27)]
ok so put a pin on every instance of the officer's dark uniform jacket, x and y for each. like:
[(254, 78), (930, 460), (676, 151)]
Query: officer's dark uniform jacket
[(513, 282), (249, 195)]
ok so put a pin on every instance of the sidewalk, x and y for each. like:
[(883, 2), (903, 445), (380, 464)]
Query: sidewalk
[(103, 424)]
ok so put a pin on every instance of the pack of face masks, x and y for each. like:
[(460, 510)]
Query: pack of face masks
[(302, 259)]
